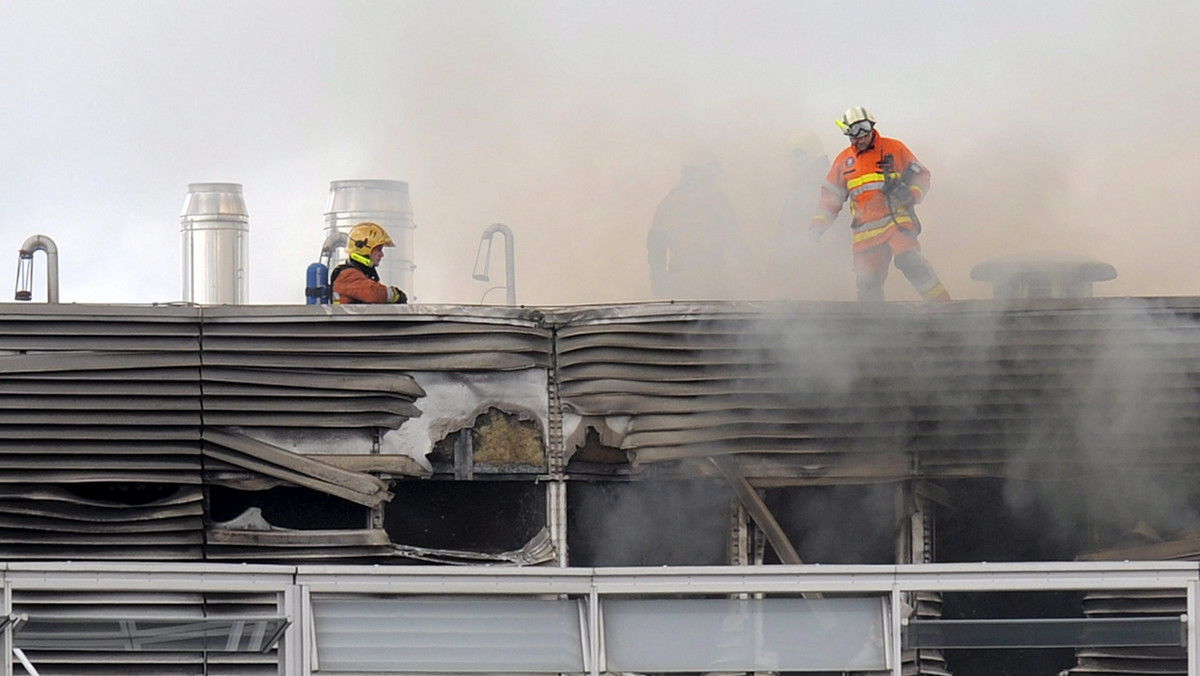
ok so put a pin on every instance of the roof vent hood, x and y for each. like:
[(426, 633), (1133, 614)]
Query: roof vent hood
[(1043, 276), (216, 244)]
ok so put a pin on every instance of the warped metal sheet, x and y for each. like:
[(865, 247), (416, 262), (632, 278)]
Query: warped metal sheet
[(99, 475), (358, 419), (473, 361), (178, 377), (132, 343), (160, 524), (93, 361), (365, 537), (265, 458), (316, 552), (160, 432), (82, 402), (134, 386), (77, 549), (183, 495), (9, 536), (67, 463), (311, 379), (333, 405), (89, 514), (936, 381), (375, 345)]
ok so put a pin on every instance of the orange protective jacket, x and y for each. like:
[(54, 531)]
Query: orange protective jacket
[(354, 282), (859, 178)]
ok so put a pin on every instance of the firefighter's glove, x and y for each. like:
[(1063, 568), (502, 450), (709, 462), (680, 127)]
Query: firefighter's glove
[(397, 296), (814, 234)]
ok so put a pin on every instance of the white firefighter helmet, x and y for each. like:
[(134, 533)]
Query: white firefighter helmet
[(856, 121)]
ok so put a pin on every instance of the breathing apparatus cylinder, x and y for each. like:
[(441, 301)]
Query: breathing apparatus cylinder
[(316, 290)]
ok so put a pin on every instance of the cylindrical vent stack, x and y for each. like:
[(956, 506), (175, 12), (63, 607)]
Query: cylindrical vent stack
[(216, 244), (383, 202)]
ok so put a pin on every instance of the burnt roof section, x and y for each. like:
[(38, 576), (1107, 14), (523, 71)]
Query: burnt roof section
[(120, 414), (859, 393), (112, 418)]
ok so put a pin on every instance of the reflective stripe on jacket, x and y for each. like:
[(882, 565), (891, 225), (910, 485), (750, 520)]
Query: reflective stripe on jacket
[(859, 178)]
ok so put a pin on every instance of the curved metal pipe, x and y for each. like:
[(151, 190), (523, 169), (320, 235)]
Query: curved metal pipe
[(336, 239), (510, 266), (25, 268)]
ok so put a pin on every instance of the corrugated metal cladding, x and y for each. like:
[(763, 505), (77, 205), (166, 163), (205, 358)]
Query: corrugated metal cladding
[(164, 633), (847, 392), (114, 417)]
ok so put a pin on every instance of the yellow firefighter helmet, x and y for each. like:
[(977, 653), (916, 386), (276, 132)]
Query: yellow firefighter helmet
[(366, 236)]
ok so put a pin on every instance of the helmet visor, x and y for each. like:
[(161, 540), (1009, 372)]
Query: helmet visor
[(859, 129)]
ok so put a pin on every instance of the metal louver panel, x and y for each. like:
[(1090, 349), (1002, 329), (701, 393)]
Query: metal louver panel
[(374, 339), (665, 635), (1133, 605), (161, 634), (110, 633), (970, 389), (100, 410), (449, 635)]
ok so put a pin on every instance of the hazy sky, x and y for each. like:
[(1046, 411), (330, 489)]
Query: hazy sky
[(1049, 126)]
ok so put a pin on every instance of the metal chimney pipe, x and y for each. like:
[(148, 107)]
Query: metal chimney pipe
[(378, 201), (216, 244), (25, 268)]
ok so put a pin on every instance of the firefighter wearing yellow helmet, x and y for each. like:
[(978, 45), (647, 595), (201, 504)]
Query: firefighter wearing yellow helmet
[(357, 280)]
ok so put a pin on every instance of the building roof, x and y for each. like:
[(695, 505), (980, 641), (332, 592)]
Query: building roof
[(114, 418)]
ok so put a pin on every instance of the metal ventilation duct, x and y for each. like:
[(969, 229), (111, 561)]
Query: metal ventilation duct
[(216, 244), (379, 201), (31, 246)]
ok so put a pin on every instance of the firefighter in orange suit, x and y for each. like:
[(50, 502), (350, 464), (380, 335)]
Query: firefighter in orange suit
[(882, 180), (356, 280)]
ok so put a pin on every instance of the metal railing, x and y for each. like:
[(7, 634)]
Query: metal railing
[(612, 600)]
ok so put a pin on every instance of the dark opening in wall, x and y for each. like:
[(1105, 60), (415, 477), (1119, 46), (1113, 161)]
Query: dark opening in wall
[(995, 520), (124, 493), (288, 507), (655, 522), (593, 458), (1010, 605), (836, 524), (479, 516), (498, 443), (1003, 520)]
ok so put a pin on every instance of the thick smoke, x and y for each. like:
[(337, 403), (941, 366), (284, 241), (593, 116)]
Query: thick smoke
[(1046, 128)]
